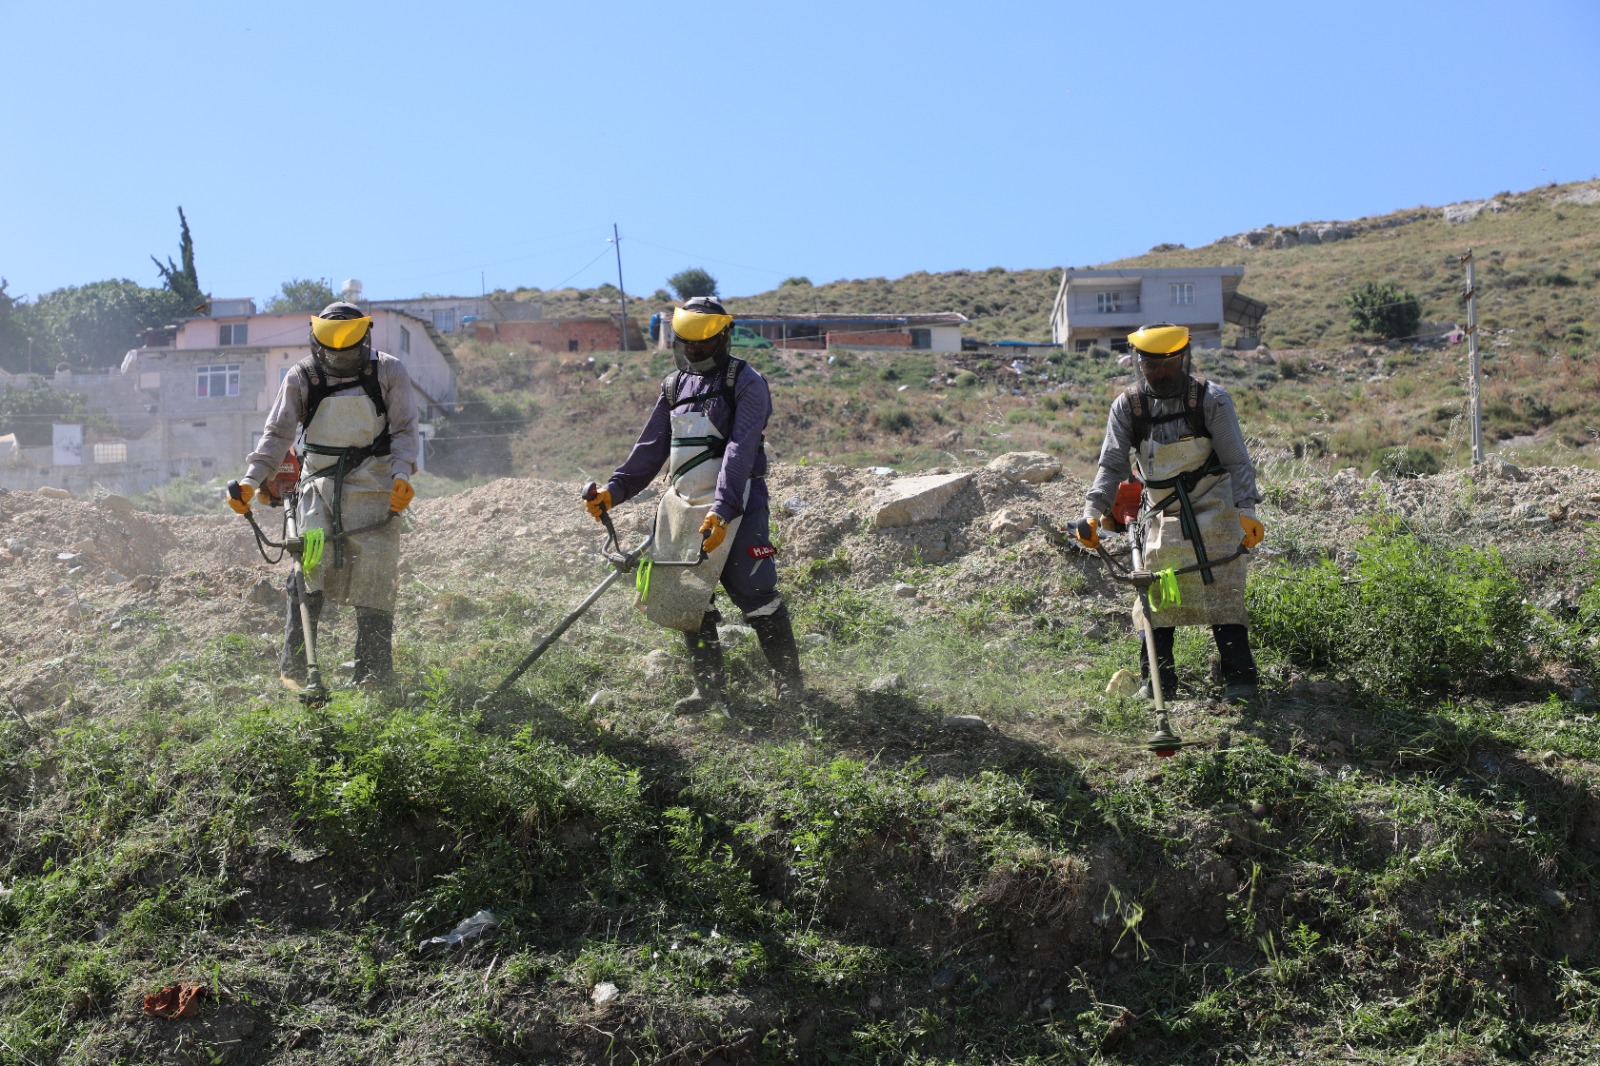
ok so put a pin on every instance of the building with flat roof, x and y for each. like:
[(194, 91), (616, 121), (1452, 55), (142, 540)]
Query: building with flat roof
[(1101, 307)]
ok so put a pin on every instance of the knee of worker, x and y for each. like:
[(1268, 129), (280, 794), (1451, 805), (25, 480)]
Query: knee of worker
[(758, 612), (751, 583)]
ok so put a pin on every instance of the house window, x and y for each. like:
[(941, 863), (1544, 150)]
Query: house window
[(922, 339), (111, 453), (211, 382), (405, 339), (444, 321), (232, 333), (572, 345), (1183, 293), (1108, 302)]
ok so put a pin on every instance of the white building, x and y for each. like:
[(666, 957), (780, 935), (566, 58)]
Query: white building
[(1103, 306)]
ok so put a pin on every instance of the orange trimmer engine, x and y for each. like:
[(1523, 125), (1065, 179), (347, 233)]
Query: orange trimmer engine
[(1125, 508), (282, 483)]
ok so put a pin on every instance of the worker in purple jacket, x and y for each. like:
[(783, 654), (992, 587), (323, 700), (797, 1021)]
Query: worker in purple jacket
[(707, 427)]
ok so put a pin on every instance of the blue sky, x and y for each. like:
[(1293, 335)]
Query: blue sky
[(421, 147)]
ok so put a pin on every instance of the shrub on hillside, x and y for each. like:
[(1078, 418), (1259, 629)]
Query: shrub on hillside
[(1385, 310), (1407, 461), (1410, 617)]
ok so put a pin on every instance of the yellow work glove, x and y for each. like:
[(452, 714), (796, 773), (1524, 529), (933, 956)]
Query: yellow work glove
[(712, 530), (1253, 531), (401, 495), (599, 504), (240, 502), (1087, 533)]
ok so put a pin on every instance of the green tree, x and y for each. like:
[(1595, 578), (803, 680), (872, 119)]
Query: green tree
[(29, 412), (182, 281), (691, 282), (13, 338), (799, 281), (1385, 310), (95, 324), (302, 294)]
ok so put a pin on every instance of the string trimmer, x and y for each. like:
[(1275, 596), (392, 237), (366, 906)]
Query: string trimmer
[(1163, 742), (622, 563), (306, 549)]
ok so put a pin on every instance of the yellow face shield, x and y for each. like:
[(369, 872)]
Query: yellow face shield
[(694, 326), (1159, 340), (337, 334)]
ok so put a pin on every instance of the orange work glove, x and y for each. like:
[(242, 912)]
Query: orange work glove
[(1253, 531), (599, 504), (401, 495), (1087, 533), (712, 530), (241, 502)]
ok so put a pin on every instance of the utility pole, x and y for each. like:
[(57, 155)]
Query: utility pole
[(1475, 390), (622, 296)]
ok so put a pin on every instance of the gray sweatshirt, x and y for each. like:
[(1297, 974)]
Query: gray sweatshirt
[(283, 423), (1226, 439)]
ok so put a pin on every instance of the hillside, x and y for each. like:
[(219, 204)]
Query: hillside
[(955, 852), (1537, 253), (1313, 393)]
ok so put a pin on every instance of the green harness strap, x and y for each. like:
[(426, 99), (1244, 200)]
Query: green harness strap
[(711, 452), (641, 579), (1164, 593), (311, 549)]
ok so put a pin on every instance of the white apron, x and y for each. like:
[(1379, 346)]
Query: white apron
[(678, 597), (368, 564), (1165, 546)]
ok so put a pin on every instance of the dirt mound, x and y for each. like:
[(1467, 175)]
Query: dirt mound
[(76, 571)]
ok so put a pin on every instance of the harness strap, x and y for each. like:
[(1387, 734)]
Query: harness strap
[(1182, 485)]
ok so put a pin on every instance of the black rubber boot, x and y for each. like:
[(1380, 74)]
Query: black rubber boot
[(705, 661), (776, 635), (374, 646), (292, 658), (1165, 638), (1237, 665)]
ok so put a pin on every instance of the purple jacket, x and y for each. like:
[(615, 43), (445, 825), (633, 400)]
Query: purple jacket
[(742, 424)]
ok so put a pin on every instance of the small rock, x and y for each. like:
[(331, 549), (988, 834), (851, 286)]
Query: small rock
[(264, 593), (603, 698), (886, 683), (794, 505), (1123, 683), (79, 609), (814, 640), (1277, 890), (1550, 758), (51, 492), (114, 503), (1258, 809), (1582, 696), (603, 993), (114, 578), (733, 635), (905, 591), (657, 664), (1554, 899), (969, 722), (1034, 467), (1010, 526), (945, 980)]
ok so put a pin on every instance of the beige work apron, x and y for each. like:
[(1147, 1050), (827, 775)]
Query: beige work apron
[(1222, 601), (369, 563), (678, 597)]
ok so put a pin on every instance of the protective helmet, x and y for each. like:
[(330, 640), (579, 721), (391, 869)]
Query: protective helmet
[(702, 333), (341, 338), (1162, 351)]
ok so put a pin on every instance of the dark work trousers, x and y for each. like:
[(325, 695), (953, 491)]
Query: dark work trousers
[(750, 574), (1233, 648)]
